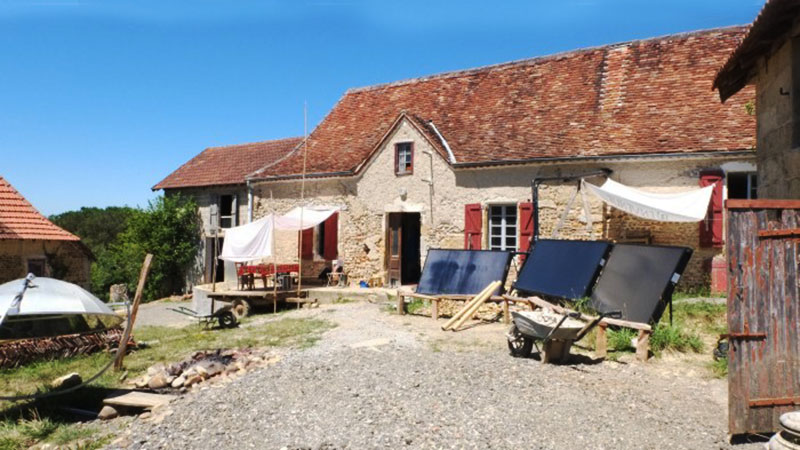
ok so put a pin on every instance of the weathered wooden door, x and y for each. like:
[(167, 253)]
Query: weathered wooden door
[(763, 313), (394, 249)]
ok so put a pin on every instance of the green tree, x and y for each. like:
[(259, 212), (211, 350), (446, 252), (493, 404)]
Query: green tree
[(97, 227), (169, 229)]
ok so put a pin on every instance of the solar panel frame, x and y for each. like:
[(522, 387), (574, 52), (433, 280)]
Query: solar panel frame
[(550, 259), (455, 280), (635, 275)]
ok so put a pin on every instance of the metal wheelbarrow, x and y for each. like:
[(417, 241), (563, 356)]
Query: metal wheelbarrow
[(224, 315), (556, 332)]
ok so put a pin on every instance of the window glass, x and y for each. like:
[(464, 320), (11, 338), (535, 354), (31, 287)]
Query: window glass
[(503, 227), (742, 185), (37, 266), (404, 157)]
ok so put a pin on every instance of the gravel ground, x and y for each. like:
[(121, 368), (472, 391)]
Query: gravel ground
[(156, 313), (383, 381)]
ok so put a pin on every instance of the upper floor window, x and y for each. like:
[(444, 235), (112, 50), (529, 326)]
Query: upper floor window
[(503, 227), (227, 211), (742, 185), (404, 158)]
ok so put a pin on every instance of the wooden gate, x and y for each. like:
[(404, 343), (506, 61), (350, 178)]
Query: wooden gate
[(763, 313)]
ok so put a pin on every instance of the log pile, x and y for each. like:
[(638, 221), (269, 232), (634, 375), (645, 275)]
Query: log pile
[(17, 353)]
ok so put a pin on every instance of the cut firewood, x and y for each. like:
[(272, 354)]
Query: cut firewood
[(471, 302)]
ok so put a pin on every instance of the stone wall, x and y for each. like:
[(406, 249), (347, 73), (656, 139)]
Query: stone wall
[(365, 201), (778, 80), (66, 260)]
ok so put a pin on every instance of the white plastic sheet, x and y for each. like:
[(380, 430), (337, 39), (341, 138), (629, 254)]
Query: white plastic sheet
[(253, 241), (688, 206)]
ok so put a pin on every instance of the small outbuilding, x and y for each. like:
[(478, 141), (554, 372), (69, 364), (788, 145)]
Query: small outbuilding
[(30, 243)]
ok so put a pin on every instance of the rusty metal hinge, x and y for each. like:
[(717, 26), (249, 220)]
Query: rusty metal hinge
[(744, 335), (790, 232), (780, 401)]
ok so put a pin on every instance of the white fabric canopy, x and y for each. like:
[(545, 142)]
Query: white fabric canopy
[(248, 242), (253, 241), (688, 206), (312, 216)]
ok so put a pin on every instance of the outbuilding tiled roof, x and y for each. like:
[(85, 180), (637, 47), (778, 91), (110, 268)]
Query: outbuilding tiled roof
[(642, 97), (20, 220), (227, 165), (774, 22)]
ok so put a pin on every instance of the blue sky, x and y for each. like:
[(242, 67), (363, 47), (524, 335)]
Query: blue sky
[(100, 99)]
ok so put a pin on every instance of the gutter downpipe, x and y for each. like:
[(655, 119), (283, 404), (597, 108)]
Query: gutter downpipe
[(450, 154), (249, 202)]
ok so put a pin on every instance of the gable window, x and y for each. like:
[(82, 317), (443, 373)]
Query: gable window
[(404, 158), (227, 211), (503, 227), (742, 185)]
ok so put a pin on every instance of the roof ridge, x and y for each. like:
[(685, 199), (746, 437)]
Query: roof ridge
[(537, 59), (245, 144)]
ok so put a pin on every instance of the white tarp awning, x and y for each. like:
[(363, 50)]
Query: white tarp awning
[(688, 206), (253, 241), (312, 216), (248, 242)]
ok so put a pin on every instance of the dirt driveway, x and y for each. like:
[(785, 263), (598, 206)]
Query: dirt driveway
[(379, 380)]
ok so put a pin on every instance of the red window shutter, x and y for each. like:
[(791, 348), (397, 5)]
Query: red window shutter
[(331, 244), (525, 226), (711, 226), (473, 221), (308, 244)]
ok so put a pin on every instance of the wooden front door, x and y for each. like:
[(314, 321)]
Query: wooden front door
[(394, 249)]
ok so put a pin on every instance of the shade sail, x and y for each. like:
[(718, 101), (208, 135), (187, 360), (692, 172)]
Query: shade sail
[(311, 217), (248, 242), (51, 307), (253, 241), (689, 206)]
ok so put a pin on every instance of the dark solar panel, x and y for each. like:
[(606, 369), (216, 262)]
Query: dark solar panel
[(561, 268), (636, 278), (466, 272)]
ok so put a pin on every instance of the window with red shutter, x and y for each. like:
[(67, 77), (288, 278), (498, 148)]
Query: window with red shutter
[(331, 244), (473, 224), (711, 226), (307, 250), (525, 226)]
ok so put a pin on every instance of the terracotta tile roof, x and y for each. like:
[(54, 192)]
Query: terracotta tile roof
[(227, 165), (20, 220), (642, 97), (773, 22)]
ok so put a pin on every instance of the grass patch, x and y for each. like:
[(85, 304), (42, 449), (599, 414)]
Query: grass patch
[(416, 305), (704, 317), (22, 427), (674, 337), (620, 340), (343, 301), (719, 367)]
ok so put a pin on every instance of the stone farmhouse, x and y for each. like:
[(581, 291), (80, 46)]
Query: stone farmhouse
[(29, 243), (769, 57), (447, 160)]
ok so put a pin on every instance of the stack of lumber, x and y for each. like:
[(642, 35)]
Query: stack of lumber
[(17, 353), (472, 306)]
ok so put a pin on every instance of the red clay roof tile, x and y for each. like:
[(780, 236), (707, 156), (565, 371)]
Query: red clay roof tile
[(20, 220), (227, 165), (643, 97)]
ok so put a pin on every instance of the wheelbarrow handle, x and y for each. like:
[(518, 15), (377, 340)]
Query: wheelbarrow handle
[(612, 314)]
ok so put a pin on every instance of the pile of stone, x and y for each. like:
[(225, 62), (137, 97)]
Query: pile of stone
[(201, 366)]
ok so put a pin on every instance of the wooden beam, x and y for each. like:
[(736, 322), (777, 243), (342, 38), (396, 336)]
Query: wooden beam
[(601, 341), (779, 233), (762, 204), (435, 309), (506, 314), (643, 345), (137, 299)]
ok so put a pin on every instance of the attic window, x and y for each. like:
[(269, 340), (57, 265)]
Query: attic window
[(404, 158), (227, 211)]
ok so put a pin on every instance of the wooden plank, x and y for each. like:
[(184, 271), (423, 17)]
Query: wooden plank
[(137, 299), (435, 309), (643, 345), (415, 295), (561, 310), (506, 314), (137, 399), (401, 305), (601, 341)]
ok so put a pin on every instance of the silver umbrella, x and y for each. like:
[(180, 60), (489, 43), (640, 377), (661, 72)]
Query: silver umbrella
[(46, 307)]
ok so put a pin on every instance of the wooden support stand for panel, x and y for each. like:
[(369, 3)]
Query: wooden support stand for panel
[(504, 303), (601, 341)]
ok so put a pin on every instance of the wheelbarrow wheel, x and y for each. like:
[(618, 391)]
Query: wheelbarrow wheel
[(519, 345), (240, 308), (227, 320)]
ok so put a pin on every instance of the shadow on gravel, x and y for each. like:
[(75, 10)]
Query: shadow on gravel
[(574, 360)]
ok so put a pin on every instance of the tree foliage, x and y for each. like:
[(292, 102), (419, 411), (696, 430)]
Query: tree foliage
[(169, 228)]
